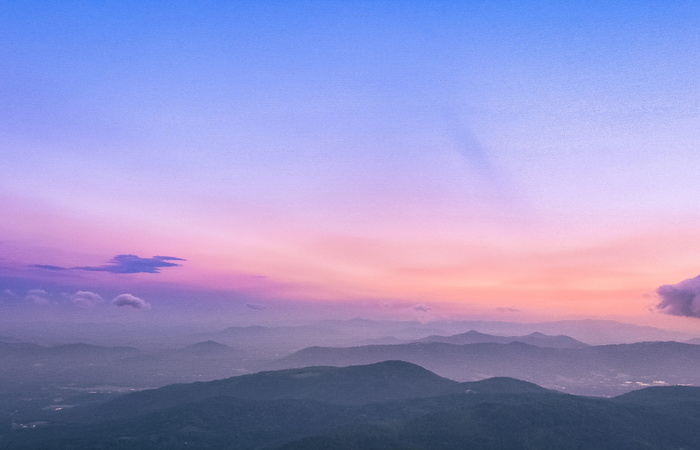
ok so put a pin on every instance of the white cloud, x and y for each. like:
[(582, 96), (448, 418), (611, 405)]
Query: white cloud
[(9, 293), (130, 300), (38, 297), (85, 298)]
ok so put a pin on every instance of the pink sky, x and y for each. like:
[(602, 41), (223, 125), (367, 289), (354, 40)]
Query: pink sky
[(487, 161)]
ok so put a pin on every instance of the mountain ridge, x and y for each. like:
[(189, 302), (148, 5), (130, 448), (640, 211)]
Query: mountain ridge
[(496, 413), (535, 338)]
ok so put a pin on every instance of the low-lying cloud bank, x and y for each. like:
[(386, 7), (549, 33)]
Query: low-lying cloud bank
[(680, 299)]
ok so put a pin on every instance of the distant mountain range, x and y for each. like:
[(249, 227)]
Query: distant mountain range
[(557, 362), (266, 342), (91, 365), (536, 339), (387, 405), (588, 370)]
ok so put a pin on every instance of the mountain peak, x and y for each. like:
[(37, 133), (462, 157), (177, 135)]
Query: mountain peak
[(504, 385), (537, 334), (209, 345)]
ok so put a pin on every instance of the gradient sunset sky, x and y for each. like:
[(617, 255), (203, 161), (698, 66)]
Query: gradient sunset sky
[(396, 159)]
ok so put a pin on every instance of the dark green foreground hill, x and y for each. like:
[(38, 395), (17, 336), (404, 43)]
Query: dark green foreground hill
[(387, 405)]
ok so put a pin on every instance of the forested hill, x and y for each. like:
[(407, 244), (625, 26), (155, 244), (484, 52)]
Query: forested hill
[(387, 405)]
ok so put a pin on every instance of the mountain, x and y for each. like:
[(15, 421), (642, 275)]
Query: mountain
[(602, 332), (271, 342), (383, 381), (388, 405), (522, 422), (9, 339), (84, 365), (662, 395), (88, 350), (590, 331), (19, 348), (536, 339), (267, 342), (386, 340), (32, 376), (210, 348), (502, 385), (594, 370)]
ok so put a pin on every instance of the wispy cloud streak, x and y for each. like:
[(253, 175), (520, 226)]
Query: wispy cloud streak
[(123, 264)]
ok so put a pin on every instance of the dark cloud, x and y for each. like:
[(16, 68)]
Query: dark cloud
[(134, 264), (130, 300), (680, 299), (422, 308), (255, 307), (47, 267), (124, 264), (507, 309)]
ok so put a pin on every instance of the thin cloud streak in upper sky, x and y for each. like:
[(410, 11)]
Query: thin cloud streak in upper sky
[(124, 264), (488, 176), (47, 267), (469, 147)]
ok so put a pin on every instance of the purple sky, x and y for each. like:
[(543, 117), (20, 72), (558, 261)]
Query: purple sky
[(522, 161)]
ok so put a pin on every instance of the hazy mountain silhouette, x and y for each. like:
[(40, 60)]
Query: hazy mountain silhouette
[(275, 341), (84, 365), (209, 348), (384, 381), (9, 339), (593, 370), (391, 404), (536, 339)]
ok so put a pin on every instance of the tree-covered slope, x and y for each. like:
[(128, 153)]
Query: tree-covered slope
[(388, 405)]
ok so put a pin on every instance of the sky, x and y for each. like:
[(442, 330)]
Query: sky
[(447, 159)]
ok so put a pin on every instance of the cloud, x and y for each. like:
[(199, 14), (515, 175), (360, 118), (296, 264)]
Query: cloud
[(130, 300), (47, 267), (422, 308), (37, 296), (9, 293), (680, 299), (85, 298), (134, 264), (471, 149), (507, 309), (255, 307)]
